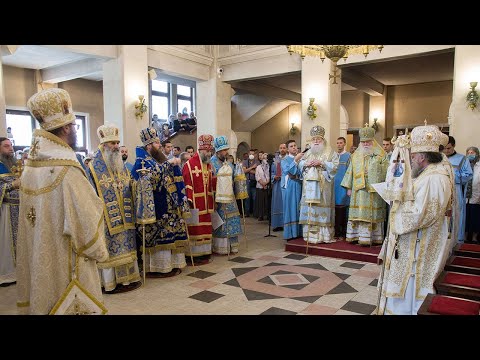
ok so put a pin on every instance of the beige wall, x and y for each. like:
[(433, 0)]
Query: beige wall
[(184, 139), (357, 105), (412, 104), (19, 85), (275, 131), (87, 97)]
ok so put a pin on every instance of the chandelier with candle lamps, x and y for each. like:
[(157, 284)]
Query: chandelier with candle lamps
[(332, 52)]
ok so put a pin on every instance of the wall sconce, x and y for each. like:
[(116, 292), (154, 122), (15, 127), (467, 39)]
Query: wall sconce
[(152, 74), (293, 129), (311, 109), (472, 96), (140, 108), (375, 124)]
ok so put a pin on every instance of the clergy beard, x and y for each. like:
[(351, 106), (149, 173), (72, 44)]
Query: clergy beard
[(124, 157), (7, 160), (416, 170), (365, 150), (220, 157), (205, 158), (158, 155), (316, 149), (72, 140), (113, 159)]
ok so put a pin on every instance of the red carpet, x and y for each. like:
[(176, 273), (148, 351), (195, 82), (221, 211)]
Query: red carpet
[(339, 250)]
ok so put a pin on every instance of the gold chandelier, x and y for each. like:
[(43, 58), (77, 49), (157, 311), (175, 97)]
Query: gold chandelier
[(332, 52)]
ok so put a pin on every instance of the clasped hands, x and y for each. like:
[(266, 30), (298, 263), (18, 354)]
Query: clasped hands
[(315, 163)]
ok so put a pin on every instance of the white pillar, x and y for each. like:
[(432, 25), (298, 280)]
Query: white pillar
[(316, 84), (3, 105), (214, 109), (465, 123), (124, 78)]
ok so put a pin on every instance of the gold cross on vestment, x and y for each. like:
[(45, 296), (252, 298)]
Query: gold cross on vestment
[(105, 181), (31, 216), (34, 148), (197, 171)]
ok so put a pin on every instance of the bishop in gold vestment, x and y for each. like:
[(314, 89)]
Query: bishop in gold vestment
[(367, 209), (417, 245), (61, 231)]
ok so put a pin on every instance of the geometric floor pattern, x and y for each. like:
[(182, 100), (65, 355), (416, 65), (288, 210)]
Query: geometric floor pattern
[(262, 279)]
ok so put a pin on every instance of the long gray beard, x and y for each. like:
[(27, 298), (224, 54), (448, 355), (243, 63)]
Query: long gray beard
[(114, 160), (365, 151), (205, 158), (316, 149), (7, 160)]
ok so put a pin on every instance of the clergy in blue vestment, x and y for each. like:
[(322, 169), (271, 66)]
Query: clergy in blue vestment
[(463, 173), (165, 210), (277, 201), (9, 206), (112, 183), (225, 237), (342, 200), (292, 193)]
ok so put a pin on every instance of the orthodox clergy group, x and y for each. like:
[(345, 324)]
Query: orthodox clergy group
[(163, 213)]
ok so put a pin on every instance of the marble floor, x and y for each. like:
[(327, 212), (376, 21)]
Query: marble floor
[(262, 279)]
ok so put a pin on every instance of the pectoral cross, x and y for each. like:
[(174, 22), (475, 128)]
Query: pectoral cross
[(31, 216), (143, 170), (197, 171)]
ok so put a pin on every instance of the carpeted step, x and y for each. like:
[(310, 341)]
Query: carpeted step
[(459, 285), (338, 250), (463, 264), (448, 305), (469, 250)]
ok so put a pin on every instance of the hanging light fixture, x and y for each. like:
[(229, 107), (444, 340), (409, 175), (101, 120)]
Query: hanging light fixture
[(332, 52)]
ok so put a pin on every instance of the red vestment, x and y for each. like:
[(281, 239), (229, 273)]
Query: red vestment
[(199, 186)]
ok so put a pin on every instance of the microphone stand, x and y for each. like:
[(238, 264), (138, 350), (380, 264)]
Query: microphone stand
[(269, 196)]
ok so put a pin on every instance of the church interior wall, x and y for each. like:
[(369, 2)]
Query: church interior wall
[(19, 85), (268, 136), (87, 97), (356, 103), (412, 104)]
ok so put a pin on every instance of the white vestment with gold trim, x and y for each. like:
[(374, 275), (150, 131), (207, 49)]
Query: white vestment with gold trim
[(60, 215), (317, 206), (419, 229)]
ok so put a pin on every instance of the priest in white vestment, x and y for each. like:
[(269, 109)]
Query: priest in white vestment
[(418, 244), (61, 230), (317, 206)]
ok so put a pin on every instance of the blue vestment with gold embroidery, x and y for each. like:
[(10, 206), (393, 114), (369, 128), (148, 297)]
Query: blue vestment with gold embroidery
[(169, 207)]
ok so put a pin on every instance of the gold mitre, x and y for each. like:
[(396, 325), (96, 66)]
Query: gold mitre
[(317, 131), (107, 133), (366, 133), (427, 138), (52, 108)]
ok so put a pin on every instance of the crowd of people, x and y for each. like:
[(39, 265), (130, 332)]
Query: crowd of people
[(169, 207)]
